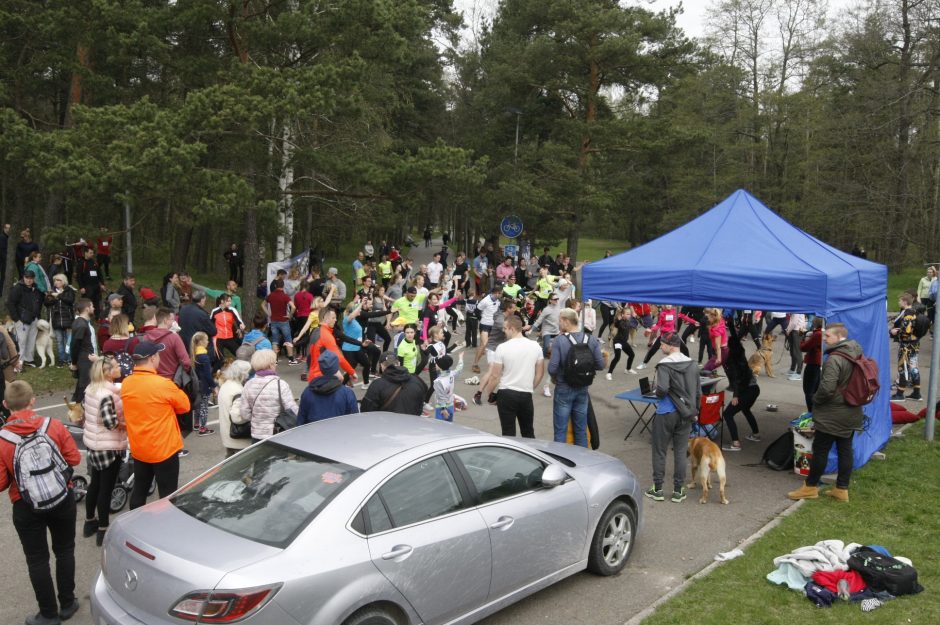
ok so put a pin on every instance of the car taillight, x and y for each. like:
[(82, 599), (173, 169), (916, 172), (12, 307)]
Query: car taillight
[(222, 606)]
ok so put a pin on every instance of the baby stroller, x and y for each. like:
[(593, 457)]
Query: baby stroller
[(125, 484), (79, 481)]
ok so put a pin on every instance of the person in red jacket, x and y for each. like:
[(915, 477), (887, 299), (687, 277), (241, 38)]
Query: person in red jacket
[(103, 249), (812, 361), (32, 526), (327, 342)]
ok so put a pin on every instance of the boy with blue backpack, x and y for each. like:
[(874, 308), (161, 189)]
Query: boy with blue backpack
[(36, 456)]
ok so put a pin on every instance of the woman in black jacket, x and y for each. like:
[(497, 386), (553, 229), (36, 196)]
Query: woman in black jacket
[(60, 300), (745, 391)]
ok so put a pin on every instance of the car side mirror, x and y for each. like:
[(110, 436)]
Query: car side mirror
[(553, 475)]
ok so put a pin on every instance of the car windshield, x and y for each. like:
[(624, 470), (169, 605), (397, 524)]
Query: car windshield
[(268, 493)]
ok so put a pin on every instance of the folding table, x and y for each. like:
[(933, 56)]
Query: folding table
[(635, 396)]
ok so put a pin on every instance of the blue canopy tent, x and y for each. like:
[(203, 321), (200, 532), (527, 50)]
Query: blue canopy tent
[(742, 255)]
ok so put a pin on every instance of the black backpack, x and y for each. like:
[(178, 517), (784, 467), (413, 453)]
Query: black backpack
[(779, 454), (884, 573), (579, 365)]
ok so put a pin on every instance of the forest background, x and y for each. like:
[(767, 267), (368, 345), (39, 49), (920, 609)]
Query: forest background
[(285, 124)]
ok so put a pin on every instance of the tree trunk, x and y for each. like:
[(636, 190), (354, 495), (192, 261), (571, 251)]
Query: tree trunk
[(76, 87), (252, 260), (285, 208), (184, 238)]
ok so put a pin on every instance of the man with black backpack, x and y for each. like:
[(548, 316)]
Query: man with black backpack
[(576, 358), (36, 454), (836, 415), (679, 392)]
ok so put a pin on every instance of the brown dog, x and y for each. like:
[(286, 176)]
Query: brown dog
[(705, 457), (76, 411), (763, 358)]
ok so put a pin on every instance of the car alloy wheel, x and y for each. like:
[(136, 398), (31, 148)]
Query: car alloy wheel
[(613, 539)]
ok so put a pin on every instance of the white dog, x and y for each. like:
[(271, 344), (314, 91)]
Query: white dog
[(44, 343)]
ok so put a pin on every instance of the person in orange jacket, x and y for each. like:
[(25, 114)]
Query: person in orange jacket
[(328, 342), (60, 603), (151, 403)]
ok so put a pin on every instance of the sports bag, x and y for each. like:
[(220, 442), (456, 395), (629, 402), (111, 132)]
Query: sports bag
[(884, 573), (863, 380), (779, 454), (579, 364), (41, 473)]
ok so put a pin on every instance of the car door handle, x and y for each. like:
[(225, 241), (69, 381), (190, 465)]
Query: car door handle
[(503, 523), (397, 551)]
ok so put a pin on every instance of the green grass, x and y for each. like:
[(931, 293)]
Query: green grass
[(48, 381), (900, 282), (892, 504)]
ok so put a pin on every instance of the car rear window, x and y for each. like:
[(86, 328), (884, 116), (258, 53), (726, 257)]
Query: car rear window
[(268, 493)]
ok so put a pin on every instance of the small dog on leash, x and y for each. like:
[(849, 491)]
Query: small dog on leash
[(474, 381), (76, 411), (763, 358), (44, 343), (705, 457)]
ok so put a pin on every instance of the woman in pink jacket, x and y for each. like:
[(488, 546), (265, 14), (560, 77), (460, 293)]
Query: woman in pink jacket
[(665, 324)]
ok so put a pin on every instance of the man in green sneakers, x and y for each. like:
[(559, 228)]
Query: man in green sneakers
[(679, 393)]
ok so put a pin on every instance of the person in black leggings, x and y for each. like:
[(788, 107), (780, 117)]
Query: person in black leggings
[(745, 391), (621, 328)]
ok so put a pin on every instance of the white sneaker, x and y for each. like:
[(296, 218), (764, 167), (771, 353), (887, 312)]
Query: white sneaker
[(691, 339), (546, 391), (609, 376), (363, 385), (633, 371), (642, 365)]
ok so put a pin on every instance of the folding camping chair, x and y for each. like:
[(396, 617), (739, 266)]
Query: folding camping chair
[(709, 422)]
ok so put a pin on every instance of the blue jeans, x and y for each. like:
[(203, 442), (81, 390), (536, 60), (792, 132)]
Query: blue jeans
[(62, 339), (280, 333), (570, 404)]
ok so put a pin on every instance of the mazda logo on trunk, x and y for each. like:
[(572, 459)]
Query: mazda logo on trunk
[(130, 580)]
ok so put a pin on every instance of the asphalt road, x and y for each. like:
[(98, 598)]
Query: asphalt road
[(677, 540)]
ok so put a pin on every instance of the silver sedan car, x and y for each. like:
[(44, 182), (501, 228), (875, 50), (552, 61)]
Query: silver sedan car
[(369, 519)]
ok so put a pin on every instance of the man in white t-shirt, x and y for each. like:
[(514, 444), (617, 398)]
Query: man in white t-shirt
[(516, 369), (435, 269), (486, 309)]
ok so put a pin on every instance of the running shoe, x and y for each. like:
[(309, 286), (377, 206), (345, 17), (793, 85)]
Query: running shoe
[(633, 371), (182, 453), (205, 432), (678, 495), (656, 494), (293, 361), (478, 398), (609, 376), (753, 437), (642, 365), (546, 391)]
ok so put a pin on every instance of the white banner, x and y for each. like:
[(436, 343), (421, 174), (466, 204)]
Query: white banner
[(297, 269)]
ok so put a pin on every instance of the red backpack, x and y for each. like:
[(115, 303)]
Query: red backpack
[(863, 380)]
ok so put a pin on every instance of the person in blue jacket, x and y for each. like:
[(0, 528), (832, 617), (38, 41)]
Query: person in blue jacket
[(326, 396)]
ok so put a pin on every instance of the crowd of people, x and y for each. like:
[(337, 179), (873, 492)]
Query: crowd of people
[(149, 364)]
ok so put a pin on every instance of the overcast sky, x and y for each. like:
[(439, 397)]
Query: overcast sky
[(692, 20)]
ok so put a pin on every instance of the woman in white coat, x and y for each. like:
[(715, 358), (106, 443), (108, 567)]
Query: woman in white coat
[(230, 408)]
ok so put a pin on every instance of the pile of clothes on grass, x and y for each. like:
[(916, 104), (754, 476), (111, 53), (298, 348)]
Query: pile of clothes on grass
[(830, 571)]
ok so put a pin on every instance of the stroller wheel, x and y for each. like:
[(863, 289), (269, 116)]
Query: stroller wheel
[(79, 486), (118, 498)]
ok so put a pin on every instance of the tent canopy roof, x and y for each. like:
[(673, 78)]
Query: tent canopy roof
[(740, 254)]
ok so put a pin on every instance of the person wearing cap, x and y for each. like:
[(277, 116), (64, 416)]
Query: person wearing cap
[(151, 403), (679, 392), (25, 307), (326, 396), (444, 387), (332, 277), (396, 391)]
